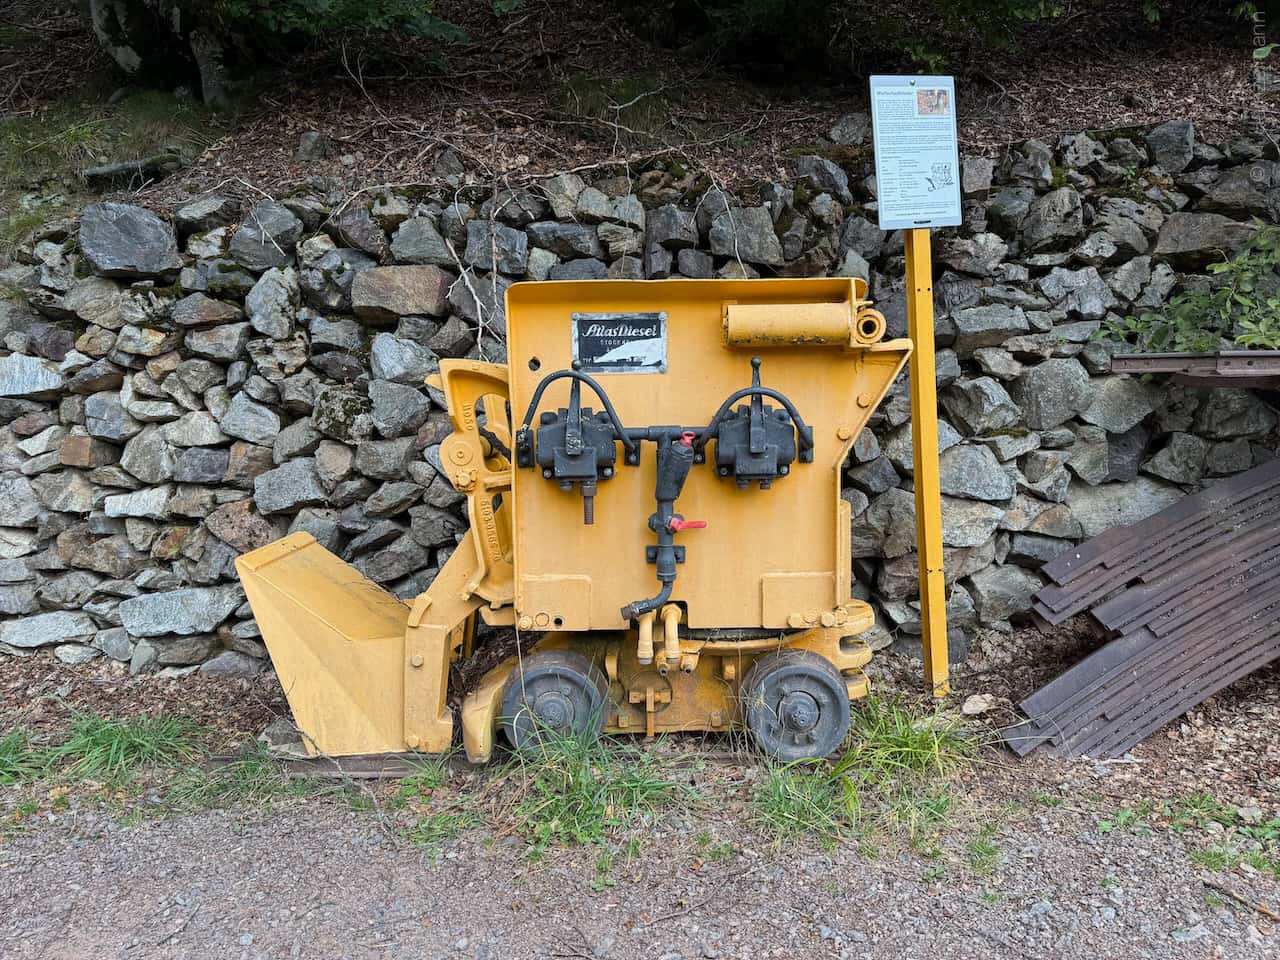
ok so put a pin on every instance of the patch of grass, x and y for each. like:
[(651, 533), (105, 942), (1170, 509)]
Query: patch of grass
[(432, 829), (1223, 858), (1263, 863), (852, 157), (887, 741), (1197, 811), (983, 851), (1046, 799), (894, 781), (112, 750), (806, 799), (19, 761), (17, 225), (713, 850), (1217, 859), (567, 790), (430, 774), (1134, 818), (46, 152), (916, 812), (58, 142), (255, 776), (604, 865)]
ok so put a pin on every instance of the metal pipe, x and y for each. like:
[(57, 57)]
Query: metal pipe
[(671, 616), (635, 609), (644, 642)]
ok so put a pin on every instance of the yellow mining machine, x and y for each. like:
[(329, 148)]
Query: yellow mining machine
[(653, 483)]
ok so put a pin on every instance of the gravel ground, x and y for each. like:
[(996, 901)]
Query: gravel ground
[(312, 879), (1066, 877)]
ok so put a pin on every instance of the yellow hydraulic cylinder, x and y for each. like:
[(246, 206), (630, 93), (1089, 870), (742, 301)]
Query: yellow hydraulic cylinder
[(846, 324)]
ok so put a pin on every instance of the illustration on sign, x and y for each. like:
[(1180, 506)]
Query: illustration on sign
[(917, 155), (620, 342)]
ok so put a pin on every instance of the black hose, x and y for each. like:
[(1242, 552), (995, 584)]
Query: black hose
[(637, 608), (713, 428), (598, 390)]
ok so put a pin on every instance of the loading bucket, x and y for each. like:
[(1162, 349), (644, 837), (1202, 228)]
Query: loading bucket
[(336, 639)]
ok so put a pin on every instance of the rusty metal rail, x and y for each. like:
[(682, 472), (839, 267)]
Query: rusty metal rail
[(1189, 595), (1237, 368)]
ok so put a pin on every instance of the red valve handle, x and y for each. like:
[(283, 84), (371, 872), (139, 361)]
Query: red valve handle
[(675, 524)]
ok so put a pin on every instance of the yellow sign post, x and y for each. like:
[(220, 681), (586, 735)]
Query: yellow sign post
[(924, 428)]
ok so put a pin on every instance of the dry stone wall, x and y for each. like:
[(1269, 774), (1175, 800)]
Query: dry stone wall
[(176, 389)]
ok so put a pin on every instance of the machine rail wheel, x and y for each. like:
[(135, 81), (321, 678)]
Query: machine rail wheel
[(556, 693), (796, 705)]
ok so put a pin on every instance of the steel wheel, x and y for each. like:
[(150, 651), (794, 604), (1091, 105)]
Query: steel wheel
[(796, 705), (558, 693)]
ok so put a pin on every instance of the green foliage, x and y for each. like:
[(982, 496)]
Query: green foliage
[(111, 750), (1221, 859), (888, 741), (812, 36), (19, 761), (254, 776), (1240, 305), (1131, 818), (316, 18), (435, 827), (259, 19), (806, 799), (429, 774), (894, 780), (568, 790)]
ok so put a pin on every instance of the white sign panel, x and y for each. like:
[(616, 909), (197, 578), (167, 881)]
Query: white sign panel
[(917, 156)]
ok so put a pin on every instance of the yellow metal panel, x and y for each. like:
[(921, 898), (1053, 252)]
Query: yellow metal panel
[(924, 419), (793, 527), (798, 598), (434, 637), (336, 640), (365, 673)]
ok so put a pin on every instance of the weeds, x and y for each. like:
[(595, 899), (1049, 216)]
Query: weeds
[(255, 776), (19, 762), (894, 781), (438, 819), (1134, 818), (49, 150), (1220, 859), (983, 851), (888, 741), (1197, 811), (806, 799), (1216, 859), (112, 750), (713, 850), (429, 774), (635, 105), (567, 790), (431, 829)]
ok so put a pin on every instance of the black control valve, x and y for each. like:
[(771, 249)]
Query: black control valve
[(757, 443), (576, 447)]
